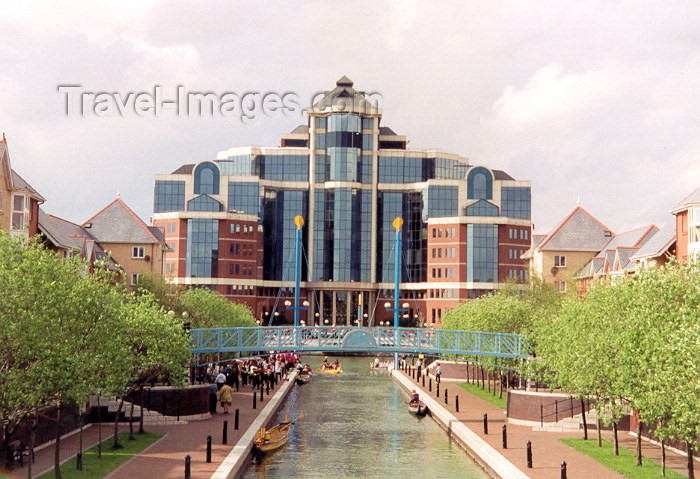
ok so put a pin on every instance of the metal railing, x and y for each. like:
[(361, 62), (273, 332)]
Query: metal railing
[(563, 408)]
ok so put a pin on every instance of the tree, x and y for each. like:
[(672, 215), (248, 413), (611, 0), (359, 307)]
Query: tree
[(208, 309)]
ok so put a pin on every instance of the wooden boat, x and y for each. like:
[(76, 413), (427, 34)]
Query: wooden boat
[(267, 440), (303, 379), (418, 408)]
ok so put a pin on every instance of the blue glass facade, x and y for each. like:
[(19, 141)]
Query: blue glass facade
[(482, 208), (411, 169), (482, 253), (442, 201), (239, 165), (516, 202), (279, 209), (284, 167), (202, 248), (479, 184), (409, 206), (204, 203), (206, 179), (244, 196), (169, 196)]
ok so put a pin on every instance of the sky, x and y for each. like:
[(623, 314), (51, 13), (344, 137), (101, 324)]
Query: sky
[(595, 102)]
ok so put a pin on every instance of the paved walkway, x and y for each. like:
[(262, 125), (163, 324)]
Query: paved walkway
[(165, 459), (547, 451)]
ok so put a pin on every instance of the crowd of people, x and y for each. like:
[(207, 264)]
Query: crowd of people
[(258, 372)]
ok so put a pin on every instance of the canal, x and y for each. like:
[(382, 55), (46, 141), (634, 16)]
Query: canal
[(356, 425)]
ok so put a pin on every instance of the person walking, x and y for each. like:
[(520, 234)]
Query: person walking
[(225, 397), (220, 380), (438, 373)]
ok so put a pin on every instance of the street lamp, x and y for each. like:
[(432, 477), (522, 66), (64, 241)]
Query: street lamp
[(325, 321), (305, 303), (287, 303), (404, 305), (387, 304)]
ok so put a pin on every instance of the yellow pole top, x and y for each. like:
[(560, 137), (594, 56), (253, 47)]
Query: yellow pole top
[(397, 223), (299, 221)]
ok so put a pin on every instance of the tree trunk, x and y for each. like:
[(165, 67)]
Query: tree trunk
[(615, 440), (131, 421), (99, 428), (583, 416), (663, 459), (141, 418), (500, 382), (32, 439), (115, 443), (80, 436), (57, 448), (691, 466), (599, 426), (639, 442), (483, 378)]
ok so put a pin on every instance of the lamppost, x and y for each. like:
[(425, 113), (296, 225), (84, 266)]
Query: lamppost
[(299, 222), (397, 224)]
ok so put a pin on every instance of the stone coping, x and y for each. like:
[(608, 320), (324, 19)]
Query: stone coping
[(236, 462), (491, 460)]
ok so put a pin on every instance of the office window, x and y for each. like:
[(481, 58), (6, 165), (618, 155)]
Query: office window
[(204, 203), (482, 253), (202, 248), (169, 196), (560, 261), (244, 196), (515, 202), (482, 208), (206, 179), (320, 122), (442, 201), (138, 252), (479, 184)]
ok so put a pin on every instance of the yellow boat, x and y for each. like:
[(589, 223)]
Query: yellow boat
[(267, 440), (330, 370)]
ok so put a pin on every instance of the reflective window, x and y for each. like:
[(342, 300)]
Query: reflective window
[(239, 165), (204, 203), (284, 167), (206, 179), (482, 253), (516, 202), (479, 184), (202, 248), (320, 122), (244, 196), (169, 196), (279, 207), (408, 205), (442, 201), (367, 123), (482, 208)]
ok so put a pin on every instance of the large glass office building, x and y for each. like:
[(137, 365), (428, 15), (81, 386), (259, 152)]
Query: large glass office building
[(348, 176)]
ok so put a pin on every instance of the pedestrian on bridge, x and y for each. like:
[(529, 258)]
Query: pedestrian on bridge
[(438, 373)]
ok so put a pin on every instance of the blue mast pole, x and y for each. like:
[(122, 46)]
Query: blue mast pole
[(299, 222), (397, 223)]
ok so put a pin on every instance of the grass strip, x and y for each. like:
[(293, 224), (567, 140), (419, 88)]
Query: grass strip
[(484, 394), (96, 468), (624, 463)]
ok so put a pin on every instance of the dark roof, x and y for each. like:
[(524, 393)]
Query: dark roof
[(501, 175), (19, 183), (579, 231), (385, 130), (658, 244), (117, 223), (692, 199), (63, 233), (184, 170), (343, 90), (158, 233)]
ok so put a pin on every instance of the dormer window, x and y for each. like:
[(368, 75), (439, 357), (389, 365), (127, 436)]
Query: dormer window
[(19, 212)]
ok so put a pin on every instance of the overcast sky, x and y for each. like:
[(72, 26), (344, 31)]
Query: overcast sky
[(597, 101)]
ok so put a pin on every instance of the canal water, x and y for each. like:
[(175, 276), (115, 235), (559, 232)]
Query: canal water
[(356, 425)]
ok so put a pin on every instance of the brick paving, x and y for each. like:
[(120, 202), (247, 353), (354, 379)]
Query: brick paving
[(547, 451), (165, 459)]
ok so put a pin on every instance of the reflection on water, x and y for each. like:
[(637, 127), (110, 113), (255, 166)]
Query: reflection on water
[(356, 425)]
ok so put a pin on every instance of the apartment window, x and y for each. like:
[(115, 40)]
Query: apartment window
[(439, 252), (562, 286), (434, 253), (439, 232), (238, 228), (237, 269), (560, 261), (135, 279), (138, 252), (230, 269), (434, 236), (19, 205)]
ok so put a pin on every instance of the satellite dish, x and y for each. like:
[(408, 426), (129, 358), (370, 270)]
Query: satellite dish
[(554, 270)]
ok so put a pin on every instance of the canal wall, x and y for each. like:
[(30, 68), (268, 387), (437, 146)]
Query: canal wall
[(486, 456), (236, 462)]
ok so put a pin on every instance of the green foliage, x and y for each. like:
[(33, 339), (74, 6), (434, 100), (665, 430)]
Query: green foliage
[(623, 464), (207, 309), (96, 468), (635, 345)]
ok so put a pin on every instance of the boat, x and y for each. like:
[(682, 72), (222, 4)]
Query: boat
[(330, 371), (418, 408), (303, 379), (267, 440)]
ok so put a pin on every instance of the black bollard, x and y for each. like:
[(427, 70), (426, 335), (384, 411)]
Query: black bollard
[(224, 438), (188, 473), (563, 470), (456, 403), (255, 400), (445, 395), (505, 438), (529, 455), (267, 389), (430, 384), (437, 390), (235, 421), (423, 377), (79, 461), (486, 424), (208, 448), (261, 394)]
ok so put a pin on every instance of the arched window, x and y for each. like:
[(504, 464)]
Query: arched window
[(206, 179), (479, 184)]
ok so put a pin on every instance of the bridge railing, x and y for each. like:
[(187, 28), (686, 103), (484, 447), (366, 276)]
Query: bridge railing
[(356, 339)]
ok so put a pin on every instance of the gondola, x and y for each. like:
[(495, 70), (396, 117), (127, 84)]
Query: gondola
[(267, 440), (417, 408), (303, 379)]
